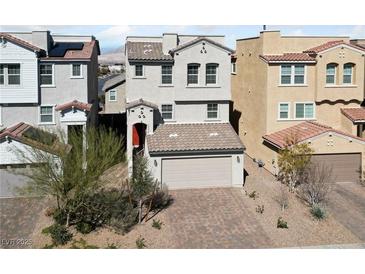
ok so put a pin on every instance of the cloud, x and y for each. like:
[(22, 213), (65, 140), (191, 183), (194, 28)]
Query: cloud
[(296, 32), (358, 31), (114, 33)]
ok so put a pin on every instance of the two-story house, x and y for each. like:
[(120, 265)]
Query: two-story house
[(47, 82), (177, 103), (309, 89)]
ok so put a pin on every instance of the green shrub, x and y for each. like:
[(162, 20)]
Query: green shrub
[(157, 224), (281, 223), (260, 209), (82, 244), (48, 246), (141, 243), (318, 212), (60, 216), (112, 246), (59, 234), (84, 228), (160, 199)]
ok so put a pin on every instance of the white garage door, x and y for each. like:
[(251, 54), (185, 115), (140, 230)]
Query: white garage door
[(197, 172)]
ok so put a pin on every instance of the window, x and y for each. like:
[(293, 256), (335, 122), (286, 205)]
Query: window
[(283, 111), (347, 73), (166, 112), (212, 111), (112, 95), (304, 110), (193, 74), (211, 74), (76, 70), (46, 114), (292, 74), (138, 72), (46, 72), (166, 74), (331, 74), (13, 74), (233, 67), (2, 74)]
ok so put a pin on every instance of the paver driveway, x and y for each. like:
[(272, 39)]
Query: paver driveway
[(213, 218), (347, 205)]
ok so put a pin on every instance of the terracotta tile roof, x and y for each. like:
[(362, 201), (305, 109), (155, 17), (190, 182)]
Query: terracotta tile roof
[(140, 102), (84, 53), (302, 132), (194, 137), (354, 114), (200, 39), (329, 45), (15, 131), (18, 41), (75, 104), (146, 51), (288, 57)]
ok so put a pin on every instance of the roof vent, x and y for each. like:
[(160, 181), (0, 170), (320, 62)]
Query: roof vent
[(173, 135), (213, 134)]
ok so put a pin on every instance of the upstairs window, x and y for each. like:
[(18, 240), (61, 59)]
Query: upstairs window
[(138, 70), (304, 110), (166, 112), (46, 72), (212, 111), (348, 73), (2, 74), (211, 74), (283, 111), (331, 74), (292, 74), (76, 71), (193, 74), (166, 75), (233, 68), (112, 95)]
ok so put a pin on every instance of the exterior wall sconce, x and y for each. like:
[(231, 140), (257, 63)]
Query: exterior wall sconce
[(238, 159), (155, 162)]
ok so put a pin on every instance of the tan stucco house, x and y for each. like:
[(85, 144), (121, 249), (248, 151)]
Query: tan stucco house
[(312, 87)]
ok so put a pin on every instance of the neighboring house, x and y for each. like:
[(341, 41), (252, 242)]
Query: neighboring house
[(47, 81), (114, 92), (114, 61), (177, 99), (307, 87)]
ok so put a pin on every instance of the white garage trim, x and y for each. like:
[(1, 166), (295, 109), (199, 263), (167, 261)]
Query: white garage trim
[(197, 172)]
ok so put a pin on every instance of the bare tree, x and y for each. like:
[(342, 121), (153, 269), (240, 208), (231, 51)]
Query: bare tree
[(283, 197), (316, 183)]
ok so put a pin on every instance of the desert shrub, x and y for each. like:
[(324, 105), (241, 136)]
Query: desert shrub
[(260, 209), (141, 243), (49, 211), (160, 199), (84, 228), (82, 244), (316, 183), (318, 211), (281, 223), (60, 216), (157, 224), (124, 218), (253, 195), (48, 246), (111, 246), (59, 234)]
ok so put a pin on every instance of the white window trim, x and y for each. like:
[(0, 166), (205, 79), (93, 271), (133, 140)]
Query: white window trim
[(110, 100), (81, 71), (235, 68), (314, 110), (1, 116), (173, 112), (218, 112), (187, 75), (134, 71), (216, 74), (172, 77), (53, 77), (289, 106), (6, 75), (53, 115), (292, 76)]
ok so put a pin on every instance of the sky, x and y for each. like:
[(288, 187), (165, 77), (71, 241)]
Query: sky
[(113, 37)]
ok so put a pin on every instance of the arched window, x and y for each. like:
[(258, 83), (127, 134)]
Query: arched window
[(193, 73), (331, 74), (348, 71)]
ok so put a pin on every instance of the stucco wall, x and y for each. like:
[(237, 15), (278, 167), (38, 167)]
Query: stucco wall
[(117, 106)]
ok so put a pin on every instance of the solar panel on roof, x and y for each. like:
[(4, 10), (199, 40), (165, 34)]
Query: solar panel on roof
[(59, 49)]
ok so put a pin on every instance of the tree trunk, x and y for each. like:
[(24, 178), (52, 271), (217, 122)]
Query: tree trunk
[(68, 219), (140, 211)]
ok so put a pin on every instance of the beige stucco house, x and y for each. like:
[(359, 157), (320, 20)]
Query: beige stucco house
[(311, 87)]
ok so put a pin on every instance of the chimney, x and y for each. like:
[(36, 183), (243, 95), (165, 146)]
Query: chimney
[(169, 41), (41, 39)]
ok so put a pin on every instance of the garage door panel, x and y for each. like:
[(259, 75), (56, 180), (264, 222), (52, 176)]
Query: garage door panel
[(346, 167), (197, 172)]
